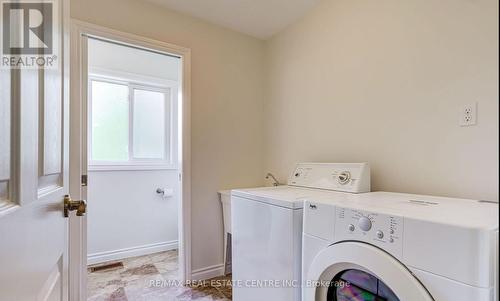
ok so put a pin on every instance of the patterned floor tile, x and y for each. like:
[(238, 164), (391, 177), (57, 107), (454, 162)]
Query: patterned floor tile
[(150, 278)]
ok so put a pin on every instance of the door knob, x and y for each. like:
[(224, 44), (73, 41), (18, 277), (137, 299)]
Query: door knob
[(70, 205)]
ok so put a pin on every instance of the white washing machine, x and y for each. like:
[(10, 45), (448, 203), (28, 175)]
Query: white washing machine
[(400, 247), (267, 228)]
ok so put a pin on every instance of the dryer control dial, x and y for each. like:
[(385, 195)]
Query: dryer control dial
[(344, 177), (381, 230), (365, 224)]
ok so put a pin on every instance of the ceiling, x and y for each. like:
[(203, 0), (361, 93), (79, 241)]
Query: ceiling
[(258, 18)]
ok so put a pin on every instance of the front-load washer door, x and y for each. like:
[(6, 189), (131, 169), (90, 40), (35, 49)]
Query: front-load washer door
[(354, 271)]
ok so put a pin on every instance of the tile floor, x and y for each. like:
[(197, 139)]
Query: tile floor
[(150, 278)]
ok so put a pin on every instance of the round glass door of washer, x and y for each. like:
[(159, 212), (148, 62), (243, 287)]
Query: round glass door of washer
[(356, 271), (357, 285)]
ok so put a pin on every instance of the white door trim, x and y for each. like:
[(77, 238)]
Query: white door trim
[(78, 146)]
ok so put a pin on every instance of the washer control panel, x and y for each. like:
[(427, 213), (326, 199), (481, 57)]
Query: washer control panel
[(383, 231), (347, 177)]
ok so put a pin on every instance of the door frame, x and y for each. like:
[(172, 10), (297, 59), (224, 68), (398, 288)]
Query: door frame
[(78, 146)]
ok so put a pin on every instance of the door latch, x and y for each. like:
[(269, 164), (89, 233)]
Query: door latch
[(70, 205)]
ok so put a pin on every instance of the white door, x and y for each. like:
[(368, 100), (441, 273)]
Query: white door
[(34, 132)]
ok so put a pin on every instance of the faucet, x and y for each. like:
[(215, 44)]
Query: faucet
[(270, 175)]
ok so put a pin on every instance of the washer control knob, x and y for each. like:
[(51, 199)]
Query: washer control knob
[(344, 177), (351, 228), (391, 240), (365, 224), (392, 231), (380, 234)]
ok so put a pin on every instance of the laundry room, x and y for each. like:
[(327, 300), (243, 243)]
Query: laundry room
[(217, 150)]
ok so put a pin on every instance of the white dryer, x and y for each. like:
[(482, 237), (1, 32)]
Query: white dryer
[(400, 247), (267, 228)]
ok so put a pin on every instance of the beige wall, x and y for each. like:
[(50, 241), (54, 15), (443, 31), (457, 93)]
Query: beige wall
[(382, 81), (227, 104), (377, 81)]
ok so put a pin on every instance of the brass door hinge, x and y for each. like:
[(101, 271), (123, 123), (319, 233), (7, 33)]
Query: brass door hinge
[(85, 180)]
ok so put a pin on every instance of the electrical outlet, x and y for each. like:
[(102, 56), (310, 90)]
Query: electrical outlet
[(468, 114)]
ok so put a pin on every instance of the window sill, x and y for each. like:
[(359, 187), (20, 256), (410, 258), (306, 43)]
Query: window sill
[(7, 207), (130, 167)]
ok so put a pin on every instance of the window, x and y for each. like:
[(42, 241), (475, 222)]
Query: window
[(149, 129), (351, 284), (110, 122), (130, 124)]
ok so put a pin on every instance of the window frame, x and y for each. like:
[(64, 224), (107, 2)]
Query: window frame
[(134, 82)]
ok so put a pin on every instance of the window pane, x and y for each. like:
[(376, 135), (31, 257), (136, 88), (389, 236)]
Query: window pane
[(150, 124), (359, 285), (110, 124)]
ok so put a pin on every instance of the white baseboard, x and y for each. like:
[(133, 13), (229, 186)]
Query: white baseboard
[(131, 252), (208, 272)]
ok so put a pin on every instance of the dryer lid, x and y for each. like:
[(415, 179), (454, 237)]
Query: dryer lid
[(284, 196)]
